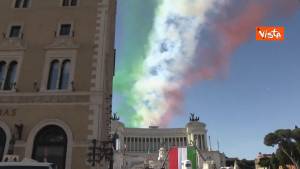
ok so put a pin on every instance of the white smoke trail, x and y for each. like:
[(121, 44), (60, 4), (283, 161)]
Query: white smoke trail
[(173, 43)]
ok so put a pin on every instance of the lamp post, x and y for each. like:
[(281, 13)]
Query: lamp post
[(100, 150), (12, 145)]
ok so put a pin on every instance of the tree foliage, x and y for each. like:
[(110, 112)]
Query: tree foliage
[(246, 164), (265, 162), (287, 142), (272, 162)]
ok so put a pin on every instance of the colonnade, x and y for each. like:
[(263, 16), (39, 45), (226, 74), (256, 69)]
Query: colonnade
[(152, 144), (200, 141)]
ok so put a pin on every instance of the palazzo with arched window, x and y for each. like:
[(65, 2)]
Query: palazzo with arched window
[(11, 76), (53, 75), (65, 73), (50, 145), (2, 142), (8, 73), (2, 72), (59, 75)]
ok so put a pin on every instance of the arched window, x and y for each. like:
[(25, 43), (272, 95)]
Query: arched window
[(2, 142), (11, 76), (2, 73), (64, 75), (50, 145), (53, 75)]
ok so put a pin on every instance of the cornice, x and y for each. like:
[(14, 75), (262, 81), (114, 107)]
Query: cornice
[(12, 44), (30, 98), (63, 43)]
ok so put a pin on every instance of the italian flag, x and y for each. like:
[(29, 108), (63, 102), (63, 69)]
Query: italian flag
[(177, 155)]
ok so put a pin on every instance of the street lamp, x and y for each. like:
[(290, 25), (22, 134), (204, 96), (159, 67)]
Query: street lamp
[(100, 150)]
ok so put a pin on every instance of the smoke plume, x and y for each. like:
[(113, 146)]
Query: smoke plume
[(192, 41)]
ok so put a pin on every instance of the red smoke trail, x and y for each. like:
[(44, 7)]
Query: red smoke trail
[(174, 97), (233, 32), (230, 33)]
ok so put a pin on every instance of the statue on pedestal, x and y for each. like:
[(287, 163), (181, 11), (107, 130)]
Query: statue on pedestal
[(193, 117)]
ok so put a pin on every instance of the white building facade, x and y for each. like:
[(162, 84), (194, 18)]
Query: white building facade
[(139, 147)]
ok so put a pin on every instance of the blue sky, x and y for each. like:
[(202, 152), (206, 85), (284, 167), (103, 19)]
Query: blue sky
[(259, 95)]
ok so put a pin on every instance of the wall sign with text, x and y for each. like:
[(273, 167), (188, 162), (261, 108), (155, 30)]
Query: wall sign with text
[(8, 112)]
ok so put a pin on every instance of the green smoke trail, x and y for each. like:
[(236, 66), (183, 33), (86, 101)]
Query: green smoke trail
[(135, 18)]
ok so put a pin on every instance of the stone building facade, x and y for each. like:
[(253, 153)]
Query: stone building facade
[(140, 147), (56, 70)]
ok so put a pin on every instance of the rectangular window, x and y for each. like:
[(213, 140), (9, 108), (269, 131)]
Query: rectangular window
[(15, 31), (18, 3), (65, 30), (65, 2), (25, 3), (69, 2), (21, 4), (73, 2)]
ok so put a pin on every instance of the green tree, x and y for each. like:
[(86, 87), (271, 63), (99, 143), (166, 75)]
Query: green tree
[(269, 162), (274, 162), (296, 136), (288, 145), (265, 162), (246, 164)]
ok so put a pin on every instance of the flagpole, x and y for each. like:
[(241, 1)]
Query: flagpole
[(210, 149)]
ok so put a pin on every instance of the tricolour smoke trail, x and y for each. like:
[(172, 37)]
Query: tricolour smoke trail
[(172, 50), (192, 40)]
